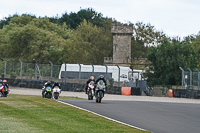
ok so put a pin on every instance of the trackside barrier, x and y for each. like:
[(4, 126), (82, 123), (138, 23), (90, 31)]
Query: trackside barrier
[(130, 91), (186, 93), (170, 93), (126, 91)]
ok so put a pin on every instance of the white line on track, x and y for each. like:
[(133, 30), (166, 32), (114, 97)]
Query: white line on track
[(102, 116)]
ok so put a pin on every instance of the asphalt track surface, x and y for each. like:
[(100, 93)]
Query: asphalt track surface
[(156, 117)]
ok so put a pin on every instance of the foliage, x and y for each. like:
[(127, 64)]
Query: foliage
[(30, 38), (111, 81), (13, 75), (196, 45), (88, 44), (166, 60), (143, 37), (73, 20)]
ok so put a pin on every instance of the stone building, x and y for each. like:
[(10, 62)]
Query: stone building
[(121, 45)]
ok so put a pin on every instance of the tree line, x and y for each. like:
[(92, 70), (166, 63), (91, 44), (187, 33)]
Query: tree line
[(85, 37)]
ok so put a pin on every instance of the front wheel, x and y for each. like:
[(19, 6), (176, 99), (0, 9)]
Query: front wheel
[(56, 95), (99, 97), (90, 97)]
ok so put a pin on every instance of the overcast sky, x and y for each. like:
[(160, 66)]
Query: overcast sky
[(173, 17)]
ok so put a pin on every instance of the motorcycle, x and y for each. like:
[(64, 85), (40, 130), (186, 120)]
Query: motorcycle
[(56, 92), (47, 93), (100, 90), (90, 91), (4, 90), (1, 90)]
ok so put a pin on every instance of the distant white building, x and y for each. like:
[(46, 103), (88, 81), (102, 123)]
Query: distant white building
[(72, 71)]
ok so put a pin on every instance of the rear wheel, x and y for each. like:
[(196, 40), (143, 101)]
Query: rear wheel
[(4, 94), (1, 94)]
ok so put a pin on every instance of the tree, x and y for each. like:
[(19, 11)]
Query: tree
[(196, 45), (28, 38), (74, 19), (143, 37), (166, 60), (88, 44)]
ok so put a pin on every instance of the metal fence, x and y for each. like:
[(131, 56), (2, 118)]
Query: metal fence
[(33, 75), (49, 72), (21, 70), (190, 79)]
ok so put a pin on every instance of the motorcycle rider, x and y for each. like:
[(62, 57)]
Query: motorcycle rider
[(46, 84), (87, 82), (101, 77), (5, 83), (56, 84)]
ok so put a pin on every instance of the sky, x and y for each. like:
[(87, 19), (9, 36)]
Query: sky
[(174, 17)]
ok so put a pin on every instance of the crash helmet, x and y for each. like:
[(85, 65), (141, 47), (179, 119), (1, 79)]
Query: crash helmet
[(4, 81), (0, 81), (48, 82), (101, 77), (56, 83), (92, 78), (45, 83)]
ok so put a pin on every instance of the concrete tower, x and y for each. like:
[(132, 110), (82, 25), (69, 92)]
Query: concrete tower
[(122, 44)]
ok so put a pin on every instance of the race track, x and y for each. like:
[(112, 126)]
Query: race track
[(157, 117)]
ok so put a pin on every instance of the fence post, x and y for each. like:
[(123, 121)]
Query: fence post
[(79, 79), (190, 78), (51, 69), (20, 69), (198, 77), (106, 70), (65, 73), (118, 76), (4, 67), (183, 78), (35, 69), (92, 69)]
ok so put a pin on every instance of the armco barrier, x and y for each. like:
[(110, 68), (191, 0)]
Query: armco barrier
[(135, 91), (186, 93), (130, 91)]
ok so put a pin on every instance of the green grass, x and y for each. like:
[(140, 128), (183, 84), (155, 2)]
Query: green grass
[(33, 114), (70, 98)]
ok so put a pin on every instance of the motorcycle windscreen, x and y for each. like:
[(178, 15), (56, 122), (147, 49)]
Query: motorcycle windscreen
[(101, 84), (48, 89)]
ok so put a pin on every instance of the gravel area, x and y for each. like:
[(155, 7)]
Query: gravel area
[(28, 91)]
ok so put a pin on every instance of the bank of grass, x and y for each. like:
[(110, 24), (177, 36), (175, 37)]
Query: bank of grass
[(70, 98), (33, 114)]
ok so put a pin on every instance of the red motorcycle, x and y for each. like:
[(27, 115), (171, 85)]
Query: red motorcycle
[(4, 90)]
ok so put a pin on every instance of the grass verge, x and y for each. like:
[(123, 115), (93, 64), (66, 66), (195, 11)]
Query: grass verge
[(33, 114)]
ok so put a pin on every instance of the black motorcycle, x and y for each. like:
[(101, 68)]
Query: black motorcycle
[(47, 93)]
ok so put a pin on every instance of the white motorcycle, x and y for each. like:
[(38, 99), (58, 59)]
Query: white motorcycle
[(90, 91), (56, 92)]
